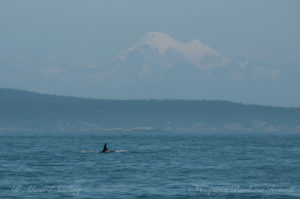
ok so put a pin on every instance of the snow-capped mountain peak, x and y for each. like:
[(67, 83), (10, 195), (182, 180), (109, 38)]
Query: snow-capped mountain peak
[(195, 52)]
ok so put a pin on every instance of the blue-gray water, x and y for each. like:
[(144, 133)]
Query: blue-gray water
[(157, 165)]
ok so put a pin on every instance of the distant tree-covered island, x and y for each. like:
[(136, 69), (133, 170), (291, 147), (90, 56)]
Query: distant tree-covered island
[(22, 111)]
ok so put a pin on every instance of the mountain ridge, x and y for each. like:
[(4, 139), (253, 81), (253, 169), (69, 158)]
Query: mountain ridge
[(30, 111)]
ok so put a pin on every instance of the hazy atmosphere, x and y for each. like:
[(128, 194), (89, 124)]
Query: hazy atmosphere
[(242, 51), (149, 99)]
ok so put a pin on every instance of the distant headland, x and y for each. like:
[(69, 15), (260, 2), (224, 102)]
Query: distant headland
[(23, 111)]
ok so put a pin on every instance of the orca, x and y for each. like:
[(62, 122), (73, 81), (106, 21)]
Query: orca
[(105, 149)]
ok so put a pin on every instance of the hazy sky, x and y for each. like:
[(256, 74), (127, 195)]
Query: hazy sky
[(56, 46)]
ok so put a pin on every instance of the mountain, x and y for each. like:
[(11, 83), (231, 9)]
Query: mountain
[(159, 66), (159, 58), (32, 112), (164, 47)]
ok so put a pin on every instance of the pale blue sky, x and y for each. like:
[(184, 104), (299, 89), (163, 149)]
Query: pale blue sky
[(74, 34)]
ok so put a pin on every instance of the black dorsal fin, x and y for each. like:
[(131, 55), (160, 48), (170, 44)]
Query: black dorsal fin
[(105, 148)]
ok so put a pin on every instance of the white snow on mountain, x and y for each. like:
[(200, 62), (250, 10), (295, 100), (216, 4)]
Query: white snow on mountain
[(195, 52)]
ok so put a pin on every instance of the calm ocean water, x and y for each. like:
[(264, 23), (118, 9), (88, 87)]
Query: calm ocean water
[(157, 165)]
